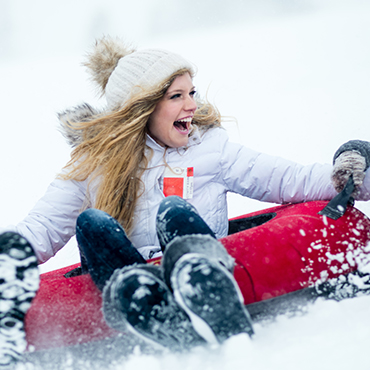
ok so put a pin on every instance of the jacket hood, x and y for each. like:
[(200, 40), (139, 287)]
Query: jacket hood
[(81, 113), (86, 113)]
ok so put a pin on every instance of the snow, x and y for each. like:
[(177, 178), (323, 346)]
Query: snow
[(295, 75)]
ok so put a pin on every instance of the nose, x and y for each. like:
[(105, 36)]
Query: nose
[(190, 104)]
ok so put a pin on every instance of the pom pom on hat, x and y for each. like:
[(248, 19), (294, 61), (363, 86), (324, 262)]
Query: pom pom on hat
[(104, 58), (118, 69)]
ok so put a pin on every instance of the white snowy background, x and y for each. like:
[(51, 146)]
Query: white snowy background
[(294, 73)]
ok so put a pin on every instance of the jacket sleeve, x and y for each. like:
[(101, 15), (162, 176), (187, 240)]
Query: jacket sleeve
[(274, 179), (52, 221)]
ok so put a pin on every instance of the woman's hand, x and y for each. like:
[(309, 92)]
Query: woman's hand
[(348, 163), (352, 158)]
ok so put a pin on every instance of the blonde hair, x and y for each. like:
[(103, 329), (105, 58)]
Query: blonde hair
[(113, 150)]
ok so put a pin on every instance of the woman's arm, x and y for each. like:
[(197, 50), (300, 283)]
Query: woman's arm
[(52, 221), (274, 179)]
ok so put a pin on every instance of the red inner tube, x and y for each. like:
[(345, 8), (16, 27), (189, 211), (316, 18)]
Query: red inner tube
[(277, 251)]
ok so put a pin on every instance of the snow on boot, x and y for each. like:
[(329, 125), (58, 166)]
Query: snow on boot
[(136, 299), (354, 284), (19, 282), (211, 297), (198, 243)]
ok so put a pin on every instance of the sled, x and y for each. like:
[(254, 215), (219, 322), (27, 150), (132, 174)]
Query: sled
[(277, 251)]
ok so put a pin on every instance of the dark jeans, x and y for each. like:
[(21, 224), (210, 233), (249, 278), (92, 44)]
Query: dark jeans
[(177, 217), (105, 247)]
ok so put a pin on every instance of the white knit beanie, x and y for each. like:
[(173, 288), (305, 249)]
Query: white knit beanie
[(118, 70)]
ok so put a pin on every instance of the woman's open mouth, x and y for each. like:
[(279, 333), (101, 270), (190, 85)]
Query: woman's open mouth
[(183, 125)]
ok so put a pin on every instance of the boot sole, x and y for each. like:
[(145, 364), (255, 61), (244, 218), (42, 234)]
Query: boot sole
[(169, 331), (19, 282), (208, 293)]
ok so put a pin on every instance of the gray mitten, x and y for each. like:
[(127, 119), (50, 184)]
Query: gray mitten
[(352, 158)]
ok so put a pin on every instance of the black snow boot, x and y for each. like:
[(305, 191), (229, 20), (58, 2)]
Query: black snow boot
[(198, 243), (136, 299), (354, 284), (19, 282), (206, 290)]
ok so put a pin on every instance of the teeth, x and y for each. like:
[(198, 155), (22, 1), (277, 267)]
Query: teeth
[(189, 119)]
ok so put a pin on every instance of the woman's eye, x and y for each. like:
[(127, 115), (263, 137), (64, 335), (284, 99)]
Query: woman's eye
[(175, 96)]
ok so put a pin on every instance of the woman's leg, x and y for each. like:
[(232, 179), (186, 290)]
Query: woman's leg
[(177, 217), (104, 245), (137, 297), (198, 269), (181, 229)]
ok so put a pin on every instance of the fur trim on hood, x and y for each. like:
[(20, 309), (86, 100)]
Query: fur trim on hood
[(81, 113)]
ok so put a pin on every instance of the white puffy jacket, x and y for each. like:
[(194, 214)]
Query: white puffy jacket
[(219, 166)]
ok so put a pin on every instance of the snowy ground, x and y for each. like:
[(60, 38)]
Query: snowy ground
[(298, 82)]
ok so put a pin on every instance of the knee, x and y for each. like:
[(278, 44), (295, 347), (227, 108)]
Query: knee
[(92, 221), (174, 206), (88, 216), (172, 202)]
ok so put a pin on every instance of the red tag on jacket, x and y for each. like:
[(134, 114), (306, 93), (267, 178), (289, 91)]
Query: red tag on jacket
[(178, 181)]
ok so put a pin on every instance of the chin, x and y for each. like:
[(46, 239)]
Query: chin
[(179, 145)]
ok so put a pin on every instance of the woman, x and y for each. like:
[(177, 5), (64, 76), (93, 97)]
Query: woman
[(154, 140)]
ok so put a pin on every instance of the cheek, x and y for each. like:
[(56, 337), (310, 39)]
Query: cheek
[(167, 111), (160, 122), (157, 131)]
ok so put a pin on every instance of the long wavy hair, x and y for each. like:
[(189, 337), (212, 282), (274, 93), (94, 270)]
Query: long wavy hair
[(113, 149)]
